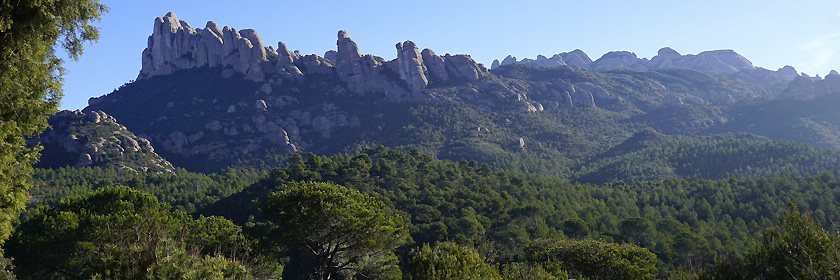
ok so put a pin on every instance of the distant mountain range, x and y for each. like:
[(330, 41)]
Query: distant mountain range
[(209, 97), (719, 62)]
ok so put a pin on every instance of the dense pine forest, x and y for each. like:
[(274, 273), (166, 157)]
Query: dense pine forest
[(511, 224)]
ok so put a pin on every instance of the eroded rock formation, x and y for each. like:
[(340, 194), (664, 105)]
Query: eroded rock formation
[(174, 45), (96, 139)]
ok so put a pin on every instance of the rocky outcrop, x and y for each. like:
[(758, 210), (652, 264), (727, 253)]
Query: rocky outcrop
[(410, 66), (348, 51), (331, 55), (807, 88), (665, 58), (543, 61), (618, 60), (763, 76), (359, 73), (435, 65), (576, 58), (509, 60), (788, 72), (462, 66), (96, 139), (174, 45)]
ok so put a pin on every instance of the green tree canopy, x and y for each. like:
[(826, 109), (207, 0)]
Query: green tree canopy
[(346, 231), (575, 228), (798, 248), (30, 82), (636, 230), (594, 259), (119, 233), (448, 260)]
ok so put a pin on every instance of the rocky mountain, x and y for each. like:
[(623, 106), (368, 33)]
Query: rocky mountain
[(96, 139), (721, 63), (207, 97), (806, 88)]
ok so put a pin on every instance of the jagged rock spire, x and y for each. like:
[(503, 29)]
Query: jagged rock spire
[(411, 68), (174, 45), (347, 49)]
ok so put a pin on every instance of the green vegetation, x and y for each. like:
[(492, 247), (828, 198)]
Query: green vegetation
[(495, 223), (650, 156), (30, 83), (594, 259), (448, 260), (119, 233), (346, 232), (797, 248), (684, 222), (184, 190), (813, 122)]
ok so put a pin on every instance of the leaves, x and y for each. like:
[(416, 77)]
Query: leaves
[(30, 83), (119, 233), (344, 229), (798, 248), (447, 260), (595, 259)]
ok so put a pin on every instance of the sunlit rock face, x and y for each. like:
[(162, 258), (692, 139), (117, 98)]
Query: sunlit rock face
[(174, 45)]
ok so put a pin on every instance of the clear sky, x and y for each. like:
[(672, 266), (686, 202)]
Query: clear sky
[(804, 33)]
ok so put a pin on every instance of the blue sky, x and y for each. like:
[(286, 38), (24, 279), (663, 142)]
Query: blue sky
[(771, 34)]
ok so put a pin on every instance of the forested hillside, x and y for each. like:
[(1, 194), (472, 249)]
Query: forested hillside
[(651, 156), (685, 223)]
